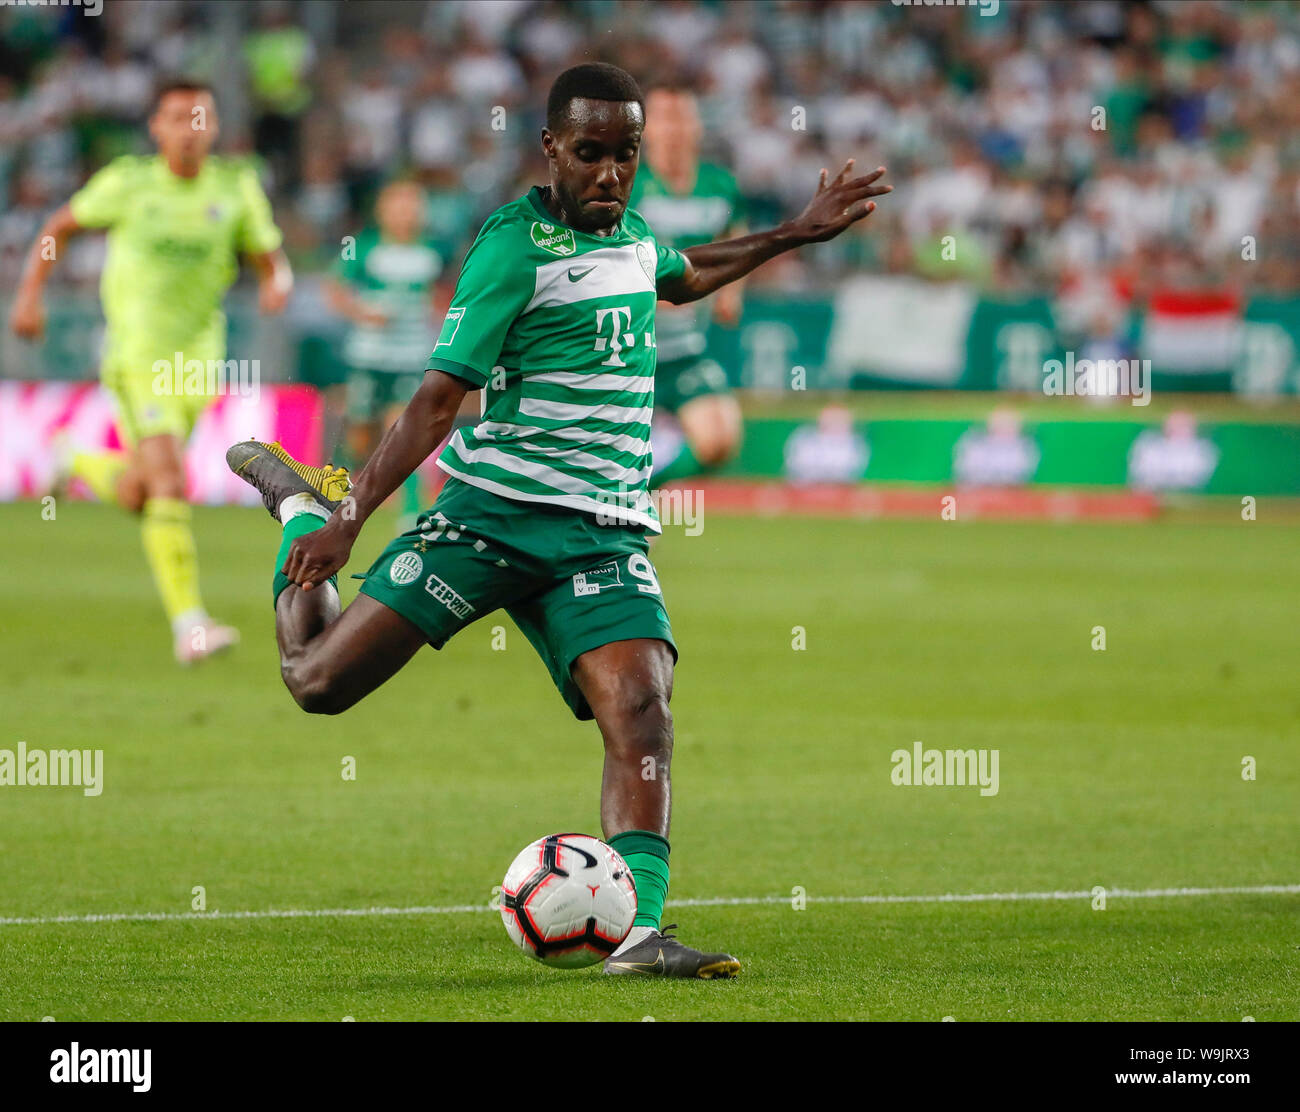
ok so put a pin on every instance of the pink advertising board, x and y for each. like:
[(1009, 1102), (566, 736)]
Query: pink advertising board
[(33, 413)]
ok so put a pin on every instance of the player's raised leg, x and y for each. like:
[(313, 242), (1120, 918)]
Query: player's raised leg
[(628, 685), (330, 658)]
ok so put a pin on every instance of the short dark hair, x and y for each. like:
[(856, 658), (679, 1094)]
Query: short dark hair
[(589, 81), (178, 85)]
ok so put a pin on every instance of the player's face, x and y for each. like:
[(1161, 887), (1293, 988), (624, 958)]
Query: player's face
[(184, 126), (594, 159), (400, 211)]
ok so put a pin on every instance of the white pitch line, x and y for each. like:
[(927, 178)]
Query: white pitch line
[(719, 901)]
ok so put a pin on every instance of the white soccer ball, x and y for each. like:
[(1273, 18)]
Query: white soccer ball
[(568, 900)]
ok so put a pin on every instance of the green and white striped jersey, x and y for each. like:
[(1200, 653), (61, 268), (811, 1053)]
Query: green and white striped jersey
[(557, 326), (398, 280)]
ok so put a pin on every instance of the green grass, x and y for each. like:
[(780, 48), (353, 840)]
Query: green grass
[(1119, 768)]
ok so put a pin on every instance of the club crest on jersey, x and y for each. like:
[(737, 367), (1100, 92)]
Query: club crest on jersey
[(405, 569), (645, 255), (594, 581), (558, 241)]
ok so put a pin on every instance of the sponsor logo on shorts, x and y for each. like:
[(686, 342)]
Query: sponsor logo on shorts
[(594, 581), (448, 597), (405, 569)]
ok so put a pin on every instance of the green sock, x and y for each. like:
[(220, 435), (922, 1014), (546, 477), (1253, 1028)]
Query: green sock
[(680, 466), (295, 527), (646, 855)]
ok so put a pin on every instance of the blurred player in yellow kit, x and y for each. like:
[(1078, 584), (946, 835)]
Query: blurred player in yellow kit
[(177, 222)]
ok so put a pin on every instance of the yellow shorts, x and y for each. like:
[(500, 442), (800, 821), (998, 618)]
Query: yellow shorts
[(149, 406)]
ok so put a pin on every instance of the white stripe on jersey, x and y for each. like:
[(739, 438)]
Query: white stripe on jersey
[(604, 272), (610, 469), (633, 384), (612, 512), (621, 442), (576, 414), (529, 468)]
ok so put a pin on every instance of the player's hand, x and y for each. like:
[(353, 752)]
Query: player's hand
[(27, 319), (373, 318), (273, 296), (839, 203), (317, 555)]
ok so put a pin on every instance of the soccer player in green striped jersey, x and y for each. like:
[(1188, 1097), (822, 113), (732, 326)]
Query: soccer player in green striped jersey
[(689, 202), (545, 512), (177, 224)]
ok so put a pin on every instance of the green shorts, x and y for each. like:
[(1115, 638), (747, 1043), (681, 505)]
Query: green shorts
[(684, 380), (371, 394), (569, 584)]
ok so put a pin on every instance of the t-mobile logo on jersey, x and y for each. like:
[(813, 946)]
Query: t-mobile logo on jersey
[(620, 317)]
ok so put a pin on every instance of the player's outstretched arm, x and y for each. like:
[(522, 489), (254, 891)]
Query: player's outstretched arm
[(835, 206), (423, 425), (27, 318)]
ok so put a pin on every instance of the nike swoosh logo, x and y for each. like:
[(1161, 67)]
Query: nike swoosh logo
[(579, 276), (655, 966)]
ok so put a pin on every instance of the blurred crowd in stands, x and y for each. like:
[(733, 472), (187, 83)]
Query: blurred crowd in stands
[(1082, 150)]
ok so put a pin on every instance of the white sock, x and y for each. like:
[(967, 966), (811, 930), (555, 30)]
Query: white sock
[(302, 503), (635, 937)]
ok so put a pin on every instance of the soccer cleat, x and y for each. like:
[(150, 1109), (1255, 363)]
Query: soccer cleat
[(204, 639), (276, 475), (659, 954)]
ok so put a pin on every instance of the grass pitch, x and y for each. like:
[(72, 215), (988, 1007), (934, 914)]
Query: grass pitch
[(1119, 768)]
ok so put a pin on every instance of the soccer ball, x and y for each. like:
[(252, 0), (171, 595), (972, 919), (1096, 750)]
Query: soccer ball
[(568, 900)]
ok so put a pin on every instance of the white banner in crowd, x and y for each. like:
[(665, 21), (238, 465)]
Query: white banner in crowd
[(901, 328)]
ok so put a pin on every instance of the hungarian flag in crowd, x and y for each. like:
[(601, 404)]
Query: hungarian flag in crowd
[(1191, 332)]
